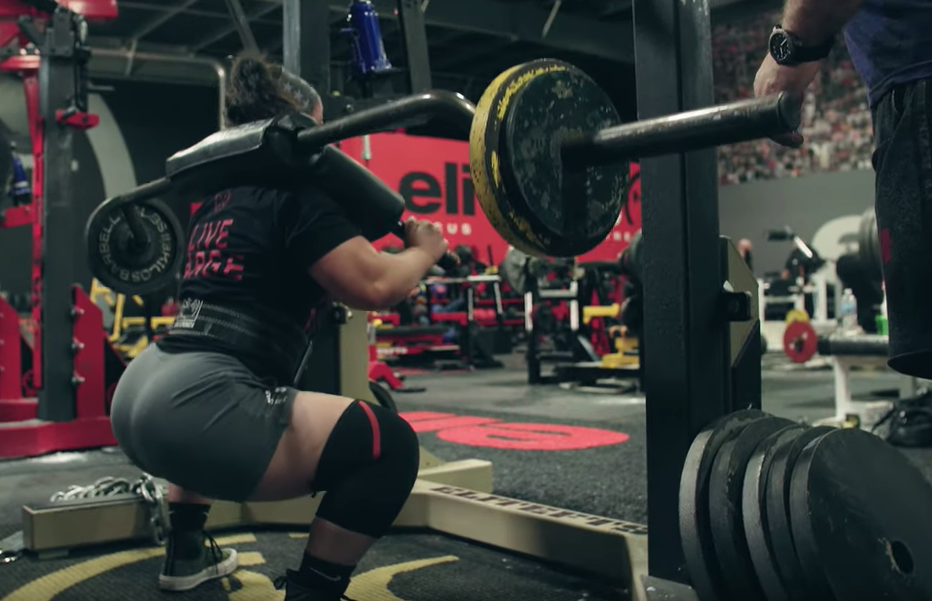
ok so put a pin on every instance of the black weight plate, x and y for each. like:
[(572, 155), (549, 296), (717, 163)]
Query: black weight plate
[(862, 519), (569, 213), (754, 512), (695, 528), (128, 270), (778, 511), (726, 485), (869, 245)]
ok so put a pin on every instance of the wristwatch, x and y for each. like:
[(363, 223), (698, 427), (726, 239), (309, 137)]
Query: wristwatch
[(787, 49)]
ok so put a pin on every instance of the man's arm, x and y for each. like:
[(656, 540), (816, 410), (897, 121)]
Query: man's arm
[(815, 21)]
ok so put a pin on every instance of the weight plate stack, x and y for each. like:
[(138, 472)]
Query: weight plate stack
[(726, 487), (695, 523), (778, 511), (754, 512)]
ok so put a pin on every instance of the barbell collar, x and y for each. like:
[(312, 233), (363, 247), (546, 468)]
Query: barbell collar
[(449, 106), (739, 121)]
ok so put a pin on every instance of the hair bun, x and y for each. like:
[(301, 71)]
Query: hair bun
[(253, 70), (254, 92)]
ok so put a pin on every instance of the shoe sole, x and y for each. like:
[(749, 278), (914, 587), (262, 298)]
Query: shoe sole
[(186, 583)]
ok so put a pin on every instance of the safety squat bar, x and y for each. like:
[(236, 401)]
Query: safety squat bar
[(703, 128)]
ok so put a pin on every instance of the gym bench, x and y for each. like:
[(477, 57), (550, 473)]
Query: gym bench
[(862, 350)]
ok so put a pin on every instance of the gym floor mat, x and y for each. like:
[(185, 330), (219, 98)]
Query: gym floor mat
[(427, 567), (606, 478)]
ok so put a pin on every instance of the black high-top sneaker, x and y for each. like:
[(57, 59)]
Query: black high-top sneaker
[(184, 570)]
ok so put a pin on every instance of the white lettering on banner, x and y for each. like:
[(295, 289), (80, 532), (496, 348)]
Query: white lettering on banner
[(454, 228)]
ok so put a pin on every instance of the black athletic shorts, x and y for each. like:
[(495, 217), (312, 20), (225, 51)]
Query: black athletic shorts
[(200, 420), (903, 162)]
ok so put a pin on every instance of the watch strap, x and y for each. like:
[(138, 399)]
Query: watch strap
[(808, 54)]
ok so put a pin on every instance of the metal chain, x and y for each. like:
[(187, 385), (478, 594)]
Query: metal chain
[(145, 488), (158, 508)]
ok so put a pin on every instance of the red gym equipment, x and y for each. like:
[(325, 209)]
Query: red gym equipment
[(55, 381)]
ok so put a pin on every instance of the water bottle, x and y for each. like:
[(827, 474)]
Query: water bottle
[(848, 310), (363, 21)]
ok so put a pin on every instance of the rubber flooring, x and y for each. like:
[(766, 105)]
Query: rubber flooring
[(581, 451)]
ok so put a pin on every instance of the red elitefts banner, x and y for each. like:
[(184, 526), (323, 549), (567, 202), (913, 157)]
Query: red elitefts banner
[(432, 174)]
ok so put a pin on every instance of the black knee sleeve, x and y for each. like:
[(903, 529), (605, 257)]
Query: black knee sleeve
[(367, 468)]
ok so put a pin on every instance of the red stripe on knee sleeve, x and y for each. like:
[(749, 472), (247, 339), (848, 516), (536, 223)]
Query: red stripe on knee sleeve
[(376, 433)]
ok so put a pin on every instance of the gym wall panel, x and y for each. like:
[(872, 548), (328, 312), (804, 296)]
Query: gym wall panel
[(824, 209)]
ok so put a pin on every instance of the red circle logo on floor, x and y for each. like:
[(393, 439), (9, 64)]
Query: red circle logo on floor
[(490, 432)]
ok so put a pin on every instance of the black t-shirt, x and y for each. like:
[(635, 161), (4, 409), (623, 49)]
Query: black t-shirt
[(251, 249)]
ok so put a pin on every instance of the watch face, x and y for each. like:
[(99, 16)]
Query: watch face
[(781, 48)]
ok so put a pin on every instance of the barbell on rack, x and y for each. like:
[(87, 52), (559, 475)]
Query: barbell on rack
[(548, 158)]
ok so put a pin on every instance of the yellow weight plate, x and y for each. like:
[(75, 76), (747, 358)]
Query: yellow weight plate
[(518, 157), (485, 155), (796, 315)]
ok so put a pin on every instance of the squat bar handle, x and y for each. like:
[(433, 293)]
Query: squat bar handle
[(447, 262), (693, 130), (448, 106)]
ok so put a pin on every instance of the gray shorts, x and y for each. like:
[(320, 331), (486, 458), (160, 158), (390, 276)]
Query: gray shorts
[(200, 420)]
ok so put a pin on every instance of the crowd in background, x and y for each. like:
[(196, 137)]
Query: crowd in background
[(836, 115)]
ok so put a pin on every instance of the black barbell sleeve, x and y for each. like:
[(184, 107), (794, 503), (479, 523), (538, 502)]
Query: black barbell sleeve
[(449, 106), (739, 121)]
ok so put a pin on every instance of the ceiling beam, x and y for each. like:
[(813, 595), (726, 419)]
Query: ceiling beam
[(222, 32), (159, 20), (519, 22), (524, 22)]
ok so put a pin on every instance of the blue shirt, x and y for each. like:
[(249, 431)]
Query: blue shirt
[(890, 43)]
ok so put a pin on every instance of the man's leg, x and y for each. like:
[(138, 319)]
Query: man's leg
[(903, 162), (191, 556)]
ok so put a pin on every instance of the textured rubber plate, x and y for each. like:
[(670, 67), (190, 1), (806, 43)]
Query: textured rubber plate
[(862, 519), (754, 512), (695, 528), (726, 485), (778, 512), (517, 166)]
